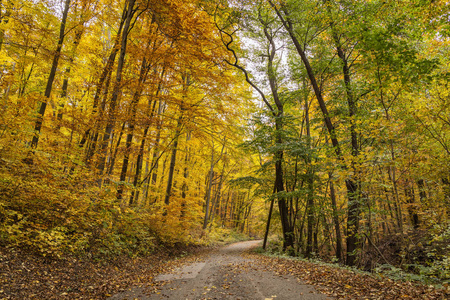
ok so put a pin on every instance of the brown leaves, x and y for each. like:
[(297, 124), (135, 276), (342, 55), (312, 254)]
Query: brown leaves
[(346, 284), (23, 276)]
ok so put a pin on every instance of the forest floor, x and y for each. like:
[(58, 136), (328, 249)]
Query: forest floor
[(230, 272), (224, 274), (26, 276)]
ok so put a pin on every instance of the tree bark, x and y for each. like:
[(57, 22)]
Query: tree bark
[(140, 157), (288, 232), (173, 159), (136, 96), (65, 85), (310, 184), (266, 234), (412, 208), (336, 221), (352, 188), (105, 76), (51, 77), (117, 87), (210, 183)]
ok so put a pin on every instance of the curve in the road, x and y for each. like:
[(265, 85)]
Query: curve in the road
[(225, 274)]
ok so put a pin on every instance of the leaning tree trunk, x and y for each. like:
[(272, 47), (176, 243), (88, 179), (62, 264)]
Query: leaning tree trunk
[(65, 85), (132, 124), (134, 198), (117, 88), (51, 77), (351, 185), (140, 157), (105, 76), (173, 159)]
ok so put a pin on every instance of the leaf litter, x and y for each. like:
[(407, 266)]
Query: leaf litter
[(343, 283), (26, 276)]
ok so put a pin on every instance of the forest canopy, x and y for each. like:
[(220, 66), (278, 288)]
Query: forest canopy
[(324, 125)]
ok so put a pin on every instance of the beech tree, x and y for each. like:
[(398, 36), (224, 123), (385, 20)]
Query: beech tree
[(172, 121), (51, 76)]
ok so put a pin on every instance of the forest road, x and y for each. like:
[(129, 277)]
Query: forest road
[(224, 274)]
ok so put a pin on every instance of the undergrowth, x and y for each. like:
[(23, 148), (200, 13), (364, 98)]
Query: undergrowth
[(434, 272), (54, 211)]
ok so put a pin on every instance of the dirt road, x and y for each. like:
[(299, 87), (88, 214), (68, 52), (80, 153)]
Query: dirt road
[(225, 274)]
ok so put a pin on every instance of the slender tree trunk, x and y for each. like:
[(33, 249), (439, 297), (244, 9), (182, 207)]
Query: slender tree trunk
[(412, 208), (354, 205), (225, 209), (301, 231), (310, 184), (137, 95), (352, 187), (117, 87), (211, 177), (157, 146), (422, 193), (51, 77), (208, 191), (266, 234), (115, 150), (217, 195), (336, 221), (288, 232), (76, 42), (173, 159), (140, 157), (184, 187), (139, 160), (354, 201), (395, 195), (105, 76)]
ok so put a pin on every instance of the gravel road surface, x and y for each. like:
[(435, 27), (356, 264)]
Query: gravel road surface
[(224, 274)]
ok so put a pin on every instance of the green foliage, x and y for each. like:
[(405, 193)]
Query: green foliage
[(224, 236), (424, 274), (427, 261), (274, 246)]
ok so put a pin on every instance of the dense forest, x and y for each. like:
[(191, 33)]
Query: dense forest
[(321, 126)]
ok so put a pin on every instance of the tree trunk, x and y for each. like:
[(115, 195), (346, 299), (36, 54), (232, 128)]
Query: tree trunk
[(266, 234), (208, 191), (114, 150), (155, 156), (336, 221), (65, 85), (412, 208), (310, 184), (354, 205), (217, 195), (76, 42), (51, 77), (352, 189), (173, 160), (134, 198), (105, 76), (184, 187), (288, 232), (117, 88), (137, 95)]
